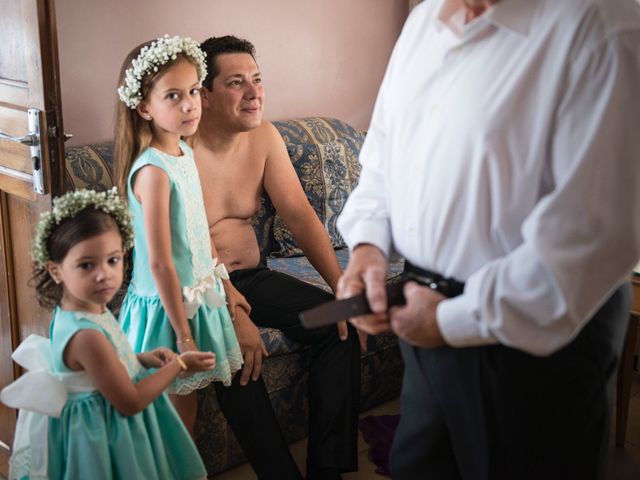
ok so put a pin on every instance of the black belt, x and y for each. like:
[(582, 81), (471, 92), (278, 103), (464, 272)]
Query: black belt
[(331, 312), (449, 287)]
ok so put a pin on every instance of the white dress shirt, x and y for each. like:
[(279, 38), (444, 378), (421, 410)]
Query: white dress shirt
[(505, 152)]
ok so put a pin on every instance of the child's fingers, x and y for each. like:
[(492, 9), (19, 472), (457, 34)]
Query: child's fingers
[(199, 361), (163, 355), (169, 355), (207, 363)]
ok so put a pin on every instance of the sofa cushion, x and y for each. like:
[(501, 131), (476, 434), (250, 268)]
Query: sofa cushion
[(89, 166), (324, 153)]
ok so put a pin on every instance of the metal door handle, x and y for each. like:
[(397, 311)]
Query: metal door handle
[(31, 140), (28, 140)]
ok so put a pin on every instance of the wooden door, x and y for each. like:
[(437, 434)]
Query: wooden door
[(29, 100)]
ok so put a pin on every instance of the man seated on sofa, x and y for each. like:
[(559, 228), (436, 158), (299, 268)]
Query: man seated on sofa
[(238, 154)]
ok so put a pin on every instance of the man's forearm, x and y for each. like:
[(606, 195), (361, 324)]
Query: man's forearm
[(316, 245)]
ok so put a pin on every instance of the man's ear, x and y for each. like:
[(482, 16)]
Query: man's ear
[(204, 96), (143, 111)]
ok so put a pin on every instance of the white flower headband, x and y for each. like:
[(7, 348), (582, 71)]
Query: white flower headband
[(154, 56), (69, 204)]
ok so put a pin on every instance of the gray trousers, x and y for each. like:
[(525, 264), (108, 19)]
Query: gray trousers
[(493, 412)]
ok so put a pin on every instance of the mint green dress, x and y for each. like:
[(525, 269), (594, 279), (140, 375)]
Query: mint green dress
[(142, 315), (90, 438)]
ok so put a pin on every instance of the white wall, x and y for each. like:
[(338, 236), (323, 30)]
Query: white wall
[(318, 57)]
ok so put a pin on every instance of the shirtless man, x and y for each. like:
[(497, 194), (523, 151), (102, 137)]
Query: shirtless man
[(238, 154)]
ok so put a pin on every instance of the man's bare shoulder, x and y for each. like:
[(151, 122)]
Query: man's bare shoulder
[(266, 136)]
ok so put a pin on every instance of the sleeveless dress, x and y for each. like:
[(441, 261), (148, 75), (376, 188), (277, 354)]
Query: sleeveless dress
[(142, 315), (70, 431)]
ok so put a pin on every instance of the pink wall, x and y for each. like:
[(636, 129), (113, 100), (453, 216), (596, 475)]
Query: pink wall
[(318, 57)]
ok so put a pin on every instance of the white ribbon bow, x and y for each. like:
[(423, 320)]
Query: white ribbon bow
[(204, 291), (219, 270), (37, 390), (39, 394)]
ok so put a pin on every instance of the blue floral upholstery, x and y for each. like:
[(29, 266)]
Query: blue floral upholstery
[(324, 153), (90, 166)]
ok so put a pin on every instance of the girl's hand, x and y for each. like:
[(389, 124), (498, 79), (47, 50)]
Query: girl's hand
[(235, 299), (156, 358), (198, 361)]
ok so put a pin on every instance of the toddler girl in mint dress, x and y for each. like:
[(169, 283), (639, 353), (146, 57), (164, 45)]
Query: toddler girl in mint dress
[(89, 408)]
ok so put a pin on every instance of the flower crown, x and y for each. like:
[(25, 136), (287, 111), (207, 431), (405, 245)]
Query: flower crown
[(153, 56), (70, 204)]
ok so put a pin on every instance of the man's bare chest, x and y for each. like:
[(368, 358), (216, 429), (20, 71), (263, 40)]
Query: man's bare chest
[(230, 191)]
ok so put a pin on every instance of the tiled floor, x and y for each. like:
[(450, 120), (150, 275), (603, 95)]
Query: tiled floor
[(624, 464)]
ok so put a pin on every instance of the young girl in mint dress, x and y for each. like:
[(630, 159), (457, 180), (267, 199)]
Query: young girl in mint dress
[(89, 408), (176, 297)]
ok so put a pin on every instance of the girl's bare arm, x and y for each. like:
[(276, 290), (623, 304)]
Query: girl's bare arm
[(90, 350), (151, 188)]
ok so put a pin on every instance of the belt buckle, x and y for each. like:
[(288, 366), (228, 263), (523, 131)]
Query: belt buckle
[(439, 285), (424, 280)]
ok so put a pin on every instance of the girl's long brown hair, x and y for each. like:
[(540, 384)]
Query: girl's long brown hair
[(132, 132)]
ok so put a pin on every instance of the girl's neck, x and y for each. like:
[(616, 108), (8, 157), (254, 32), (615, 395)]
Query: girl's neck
[(79, 306), (170, 148), (167, 142)]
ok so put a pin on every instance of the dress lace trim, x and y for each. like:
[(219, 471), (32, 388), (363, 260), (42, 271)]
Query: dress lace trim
[(118, 339), (184, 173), (223, 372), (20, 466)]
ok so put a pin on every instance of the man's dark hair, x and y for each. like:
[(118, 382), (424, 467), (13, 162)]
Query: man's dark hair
[(214, 46)]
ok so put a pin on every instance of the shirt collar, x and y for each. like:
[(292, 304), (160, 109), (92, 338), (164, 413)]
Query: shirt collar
[(514, 15)]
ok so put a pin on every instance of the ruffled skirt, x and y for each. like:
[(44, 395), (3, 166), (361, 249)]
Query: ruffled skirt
[(91, 439), (147, 326)]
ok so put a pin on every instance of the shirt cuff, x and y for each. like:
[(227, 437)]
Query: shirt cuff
[(459, 326), (371, 233)]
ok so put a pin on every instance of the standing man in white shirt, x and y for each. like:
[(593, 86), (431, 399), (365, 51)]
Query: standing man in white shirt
[(503, 163)]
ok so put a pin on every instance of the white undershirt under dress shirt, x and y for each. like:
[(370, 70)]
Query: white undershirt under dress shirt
[(505, 152)]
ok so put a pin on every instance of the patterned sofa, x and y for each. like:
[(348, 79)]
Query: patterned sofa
[(324, 154)]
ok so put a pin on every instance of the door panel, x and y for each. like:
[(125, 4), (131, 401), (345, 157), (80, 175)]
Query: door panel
[(29, 79), (11, 23), (14, 155), (16, 91)]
